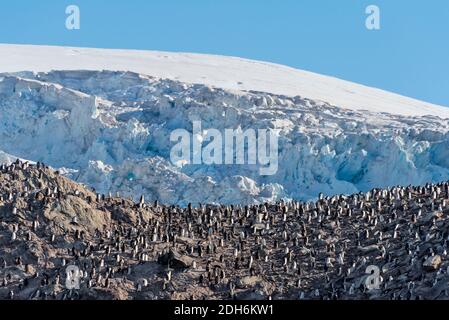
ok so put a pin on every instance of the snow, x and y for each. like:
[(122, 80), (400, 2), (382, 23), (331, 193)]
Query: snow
[(6, 158), (222, 72), (111, 129)]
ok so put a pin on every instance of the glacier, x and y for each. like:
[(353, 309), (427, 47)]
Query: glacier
[(111, 130), (104, 117)]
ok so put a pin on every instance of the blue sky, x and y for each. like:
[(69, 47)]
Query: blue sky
[(409, 55)]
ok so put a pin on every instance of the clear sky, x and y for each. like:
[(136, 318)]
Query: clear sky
[(408, 55)]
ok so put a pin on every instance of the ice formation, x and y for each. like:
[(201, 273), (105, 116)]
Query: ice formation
[(111, 130)]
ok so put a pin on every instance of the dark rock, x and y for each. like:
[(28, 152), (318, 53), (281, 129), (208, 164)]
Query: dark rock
[(175, 260)]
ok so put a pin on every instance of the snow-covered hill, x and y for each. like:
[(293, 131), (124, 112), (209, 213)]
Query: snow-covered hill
[(222, 72), (111, 129)]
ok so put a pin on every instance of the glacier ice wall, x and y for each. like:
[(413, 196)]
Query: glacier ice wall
[(111, 130)]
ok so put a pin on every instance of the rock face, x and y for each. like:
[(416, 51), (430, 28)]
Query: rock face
[(111, 131), (384, 244)]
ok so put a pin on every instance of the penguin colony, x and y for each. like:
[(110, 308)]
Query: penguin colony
[(288, 250)]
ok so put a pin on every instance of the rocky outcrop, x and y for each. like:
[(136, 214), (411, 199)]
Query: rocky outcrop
[(384, 244)]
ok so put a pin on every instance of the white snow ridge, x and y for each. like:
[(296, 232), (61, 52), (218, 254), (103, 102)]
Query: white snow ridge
[(111, 129)]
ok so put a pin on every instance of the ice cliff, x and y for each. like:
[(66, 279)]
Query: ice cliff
[(111, 130)]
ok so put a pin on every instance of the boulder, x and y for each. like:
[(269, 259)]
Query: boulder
[(432, 263), (175, 260), (248, 282)]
